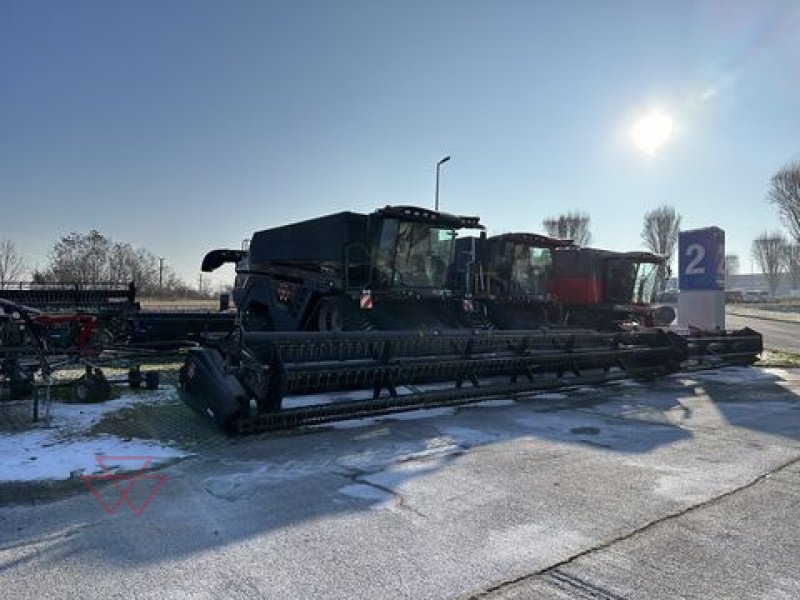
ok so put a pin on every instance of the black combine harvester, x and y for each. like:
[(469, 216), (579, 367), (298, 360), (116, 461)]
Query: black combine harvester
[(388, 312), (388, 270), (507, 277)]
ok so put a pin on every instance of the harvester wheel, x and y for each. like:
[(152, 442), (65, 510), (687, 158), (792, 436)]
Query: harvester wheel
[(257, 318), (331, 314), (92, 387), (151, 380), (335, 313)]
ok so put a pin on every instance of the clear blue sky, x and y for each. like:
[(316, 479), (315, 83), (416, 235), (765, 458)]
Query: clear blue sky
[(184, 125)]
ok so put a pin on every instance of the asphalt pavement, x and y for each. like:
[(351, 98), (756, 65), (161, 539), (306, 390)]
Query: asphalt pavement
[(778, 335), (686, 487)]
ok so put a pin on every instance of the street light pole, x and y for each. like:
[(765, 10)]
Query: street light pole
[(438, 165)]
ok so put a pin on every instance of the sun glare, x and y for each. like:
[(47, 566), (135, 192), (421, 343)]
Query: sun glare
[(652, 131)]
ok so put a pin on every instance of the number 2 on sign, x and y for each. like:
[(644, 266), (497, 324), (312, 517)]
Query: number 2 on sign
[(696, 253)]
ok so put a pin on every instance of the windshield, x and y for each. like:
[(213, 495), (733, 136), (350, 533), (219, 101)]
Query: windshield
[(519, 269), (631, 282), (646, 277), (414, 254)]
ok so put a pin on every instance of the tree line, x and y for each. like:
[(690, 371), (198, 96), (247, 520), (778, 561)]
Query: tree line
[(93, 258)]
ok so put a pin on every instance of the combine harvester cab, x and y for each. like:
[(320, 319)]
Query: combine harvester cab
[(508, 275), (610, 291), (388, 270)]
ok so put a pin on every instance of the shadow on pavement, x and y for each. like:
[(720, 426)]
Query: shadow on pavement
[(238, 489)]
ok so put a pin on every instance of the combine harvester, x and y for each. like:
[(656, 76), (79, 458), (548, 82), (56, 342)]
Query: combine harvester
[(388, 270), (387, 312), (507, 276), (530, 281), (608, 290)]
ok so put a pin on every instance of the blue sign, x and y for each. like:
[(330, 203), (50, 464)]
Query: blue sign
[(701, 259)]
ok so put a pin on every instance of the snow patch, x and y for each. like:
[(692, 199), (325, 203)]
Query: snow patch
[(585, 389), (64, 450), (244, 484), (444, 450), (494, 403), (392, 477), (353, 423), (551, 396), (72, 417), (425, 413), (377, 458), (561, 424), (732, 375), (323, 399), (40, 455), (627, 383), (464, 436)]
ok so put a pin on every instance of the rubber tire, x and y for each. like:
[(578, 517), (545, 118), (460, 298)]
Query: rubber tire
[(258, 319), (151, 380), (331, 313)]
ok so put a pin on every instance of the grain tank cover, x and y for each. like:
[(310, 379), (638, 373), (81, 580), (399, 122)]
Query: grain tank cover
[(534, 240), (424, 215), (319, 240)]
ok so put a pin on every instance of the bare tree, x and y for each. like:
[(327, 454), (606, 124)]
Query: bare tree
[(93, 258), (769, 251), (731, 267), (573, 225), (793, 264), (12, 263), (785, 194), (79, 258), (660, 230), (660, 234), (732, 264), (127, 263)]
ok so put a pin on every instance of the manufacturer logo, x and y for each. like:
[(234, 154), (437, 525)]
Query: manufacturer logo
[(125, 483)]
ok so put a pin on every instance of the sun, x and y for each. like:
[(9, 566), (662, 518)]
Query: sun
[(652, 131)]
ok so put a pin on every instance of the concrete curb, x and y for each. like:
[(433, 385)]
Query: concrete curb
[(38, 491)]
